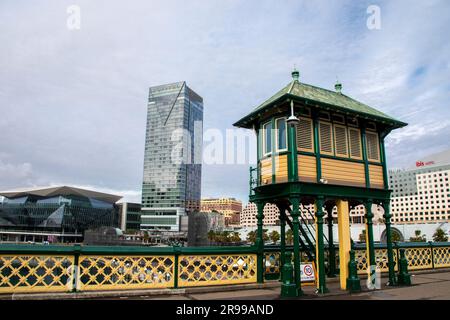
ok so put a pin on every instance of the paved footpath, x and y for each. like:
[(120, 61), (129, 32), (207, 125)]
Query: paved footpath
[(426, 286)]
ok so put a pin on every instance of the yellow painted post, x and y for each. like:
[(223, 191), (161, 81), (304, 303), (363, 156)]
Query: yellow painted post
[(344, 241)]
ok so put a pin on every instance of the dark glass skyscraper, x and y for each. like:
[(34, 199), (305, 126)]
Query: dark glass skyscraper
[(172, 163)]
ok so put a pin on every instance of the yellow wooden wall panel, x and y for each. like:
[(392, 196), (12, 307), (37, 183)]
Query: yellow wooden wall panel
[(343, 172), (376, 176), (307, 170)]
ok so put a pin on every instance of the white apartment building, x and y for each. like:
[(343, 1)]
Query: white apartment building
[(420, 195)]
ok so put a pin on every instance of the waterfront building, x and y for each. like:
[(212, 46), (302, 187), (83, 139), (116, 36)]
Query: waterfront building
[(55, 214), (172, 162), (422, 194), (129, 216), (231, 208)]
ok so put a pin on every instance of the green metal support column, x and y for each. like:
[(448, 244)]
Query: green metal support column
[(391, 263), (260, 242), (317, 147), (383, 161), (331, 247), (295, 201), (322, 287), (282, 236), (370, 245), (292, 146)]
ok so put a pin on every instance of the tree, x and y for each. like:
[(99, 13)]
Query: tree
[(395, 236), (418, 237), (362, 236), (265, 235), (211, 236), (235, 237), (274, 236), (289, 236), (146, 236), (251, 237), (440, 236)]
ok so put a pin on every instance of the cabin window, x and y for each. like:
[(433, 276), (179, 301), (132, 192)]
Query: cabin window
[(305, 135), (281, 134), (354, 136), (325, 138), (373, 148), (340, 138), (267, 138)]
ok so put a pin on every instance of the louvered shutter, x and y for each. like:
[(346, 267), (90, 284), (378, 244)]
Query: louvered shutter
[(305, 135), (373, 150), (355, 143), (326, 139), (340, 137)]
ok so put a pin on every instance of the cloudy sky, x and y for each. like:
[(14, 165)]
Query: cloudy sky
[(73, 101)]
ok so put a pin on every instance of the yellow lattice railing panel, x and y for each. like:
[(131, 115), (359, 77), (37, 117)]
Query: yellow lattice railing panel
[(381, 257), (206, 270), (419, 258), (125, 272), (272, 262), (361, 261), (36, 273), (441, 257)]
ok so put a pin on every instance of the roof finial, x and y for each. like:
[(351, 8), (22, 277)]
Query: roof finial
[(295, 74), (338, 86)]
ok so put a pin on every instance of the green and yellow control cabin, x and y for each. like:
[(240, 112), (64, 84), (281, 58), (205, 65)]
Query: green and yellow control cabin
[(318, 146)]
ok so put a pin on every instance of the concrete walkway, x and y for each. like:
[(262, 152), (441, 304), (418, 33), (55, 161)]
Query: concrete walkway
[(426, 285)]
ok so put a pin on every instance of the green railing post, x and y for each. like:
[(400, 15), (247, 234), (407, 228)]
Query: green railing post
[(331, 246), (404, 278), (432, 253), (176, 253), (320, 247), (353, 284), (288, 286), (76, 267)]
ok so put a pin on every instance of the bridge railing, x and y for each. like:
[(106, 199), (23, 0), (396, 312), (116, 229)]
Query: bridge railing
[(25, 268), (420, 256), (32, 268)]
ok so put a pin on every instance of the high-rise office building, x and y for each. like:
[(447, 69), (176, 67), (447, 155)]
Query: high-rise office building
[(422, 194), (172, 164)]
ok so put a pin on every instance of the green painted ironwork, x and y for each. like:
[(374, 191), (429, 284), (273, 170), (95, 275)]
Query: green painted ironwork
[(353, 283), (391, 263), (404, 278), (331, 245), (288, 286), (322, 288), (297, 259), (364, 154), (260, 242), (370, 243), (317, 148)]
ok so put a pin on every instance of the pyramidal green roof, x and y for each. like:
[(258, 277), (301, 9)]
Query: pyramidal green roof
[(333, 99)]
